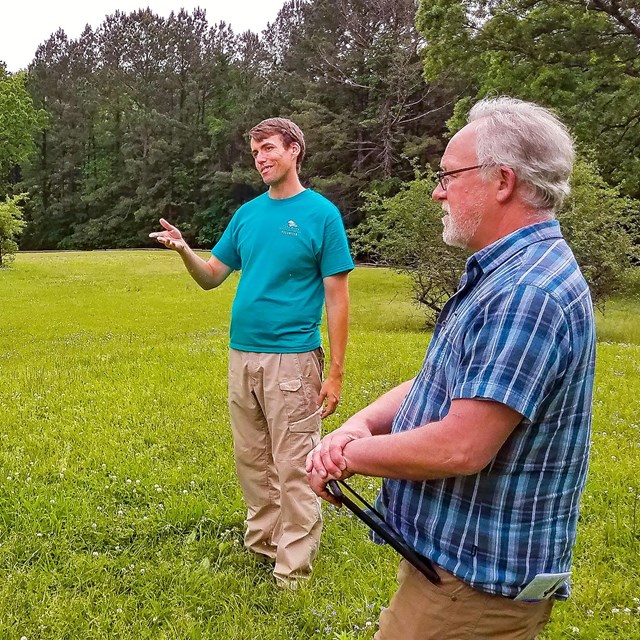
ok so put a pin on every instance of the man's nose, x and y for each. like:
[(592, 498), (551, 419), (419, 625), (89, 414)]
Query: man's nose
[(439, 193)]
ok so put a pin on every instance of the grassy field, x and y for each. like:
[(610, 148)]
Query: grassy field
[(120, 514)]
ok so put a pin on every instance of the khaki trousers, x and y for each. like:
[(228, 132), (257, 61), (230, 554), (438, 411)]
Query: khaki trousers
[(276, 422), (452, 610)]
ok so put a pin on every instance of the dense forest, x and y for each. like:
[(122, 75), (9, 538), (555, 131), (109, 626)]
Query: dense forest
[(148, 116)]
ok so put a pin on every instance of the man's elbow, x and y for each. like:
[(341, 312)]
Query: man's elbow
[(214, 279), (467, 462)]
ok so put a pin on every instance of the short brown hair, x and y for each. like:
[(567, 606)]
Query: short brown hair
[(289, 131)]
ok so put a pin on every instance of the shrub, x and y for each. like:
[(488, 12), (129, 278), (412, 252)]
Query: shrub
[(11, 224), (405, 231)]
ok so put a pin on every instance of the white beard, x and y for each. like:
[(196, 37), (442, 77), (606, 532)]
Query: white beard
[(459, 233)]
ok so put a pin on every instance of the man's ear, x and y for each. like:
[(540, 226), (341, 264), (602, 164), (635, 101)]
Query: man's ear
[(507, 184), (295, 148)]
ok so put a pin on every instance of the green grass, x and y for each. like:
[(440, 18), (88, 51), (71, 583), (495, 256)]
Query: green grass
[(120, 513)]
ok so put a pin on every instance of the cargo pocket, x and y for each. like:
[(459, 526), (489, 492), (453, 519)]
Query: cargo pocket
[(310, 424), (295, 400), (304, 434)]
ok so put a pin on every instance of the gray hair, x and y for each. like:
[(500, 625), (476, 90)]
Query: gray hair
[(530, 140)]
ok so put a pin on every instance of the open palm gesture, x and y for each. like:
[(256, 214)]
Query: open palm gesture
[(170, 237)]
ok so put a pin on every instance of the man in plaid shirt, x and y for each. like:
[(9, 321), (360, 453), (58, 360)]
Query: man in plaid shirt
[(485, 452)]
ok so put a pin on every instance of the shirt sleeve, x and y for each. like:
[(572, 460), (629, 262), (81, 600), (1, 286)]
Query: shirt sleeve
[(516, 350), (335, 256), (226, 248)]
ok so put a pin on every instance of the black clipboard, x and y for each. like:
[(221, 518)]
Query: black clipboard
[(372, 518)]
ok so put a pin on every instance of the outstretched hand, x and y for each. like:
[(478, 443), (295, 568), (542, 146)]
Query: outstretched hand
[(170, 237)]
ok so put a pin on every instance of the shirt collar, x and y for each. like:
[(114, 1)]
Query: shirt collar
[(498, 252)]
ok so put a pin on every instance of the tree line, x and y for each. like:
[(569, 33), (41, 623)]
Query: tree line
[(148, 116)]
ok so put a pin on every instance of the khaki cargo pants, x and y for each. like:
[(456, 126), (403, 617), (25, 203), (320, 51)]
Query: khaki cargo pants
[(276, 422)]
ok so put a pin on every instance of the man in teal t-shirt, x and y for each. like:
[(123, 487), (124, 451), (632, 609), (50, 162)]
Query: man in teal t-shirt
[(291, 247)]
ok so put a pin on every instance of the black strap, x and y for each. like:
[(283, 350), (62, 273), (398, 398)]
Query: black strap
[(374, 520)]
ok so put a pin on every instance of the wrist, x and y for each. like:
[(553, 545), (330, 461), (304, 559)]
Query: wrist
[(184, 249), (335, 372), (348, 455), (355, 431)]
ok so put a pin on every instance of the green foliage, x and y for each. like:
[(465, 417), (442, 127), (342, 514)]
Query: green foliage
[(405, 231), (596, 222), (19, 121), (364, 103), (148, 116), (211, 222), (133, 109), (121, 517), (581, 58), (11, 224)]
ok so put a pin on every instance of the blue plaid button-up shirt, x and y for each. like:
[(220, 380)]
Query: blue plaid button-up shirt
[(520, 331)]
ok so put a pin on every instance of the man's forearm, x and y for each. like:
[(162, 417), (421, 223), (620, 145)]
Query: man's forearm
[(394, 456), (463, 443), (337, 306), (200, 270), (378, 416), (338, 331)]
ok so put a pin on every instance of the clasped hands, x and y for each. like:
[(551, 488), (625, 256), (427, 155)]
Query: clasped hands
[(328, 461)]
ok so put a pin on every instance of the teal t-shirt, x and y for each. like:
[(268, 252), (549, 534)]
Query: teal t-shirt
[(284, 249)]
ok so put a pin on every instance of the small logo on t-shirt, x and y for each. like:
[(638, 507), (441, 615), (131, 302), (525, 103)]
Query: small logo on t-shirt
[(291, 228)]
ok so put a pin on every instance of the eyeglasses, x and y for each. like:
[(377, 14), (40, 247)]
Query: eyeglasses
[(443, 176)]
